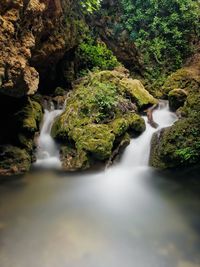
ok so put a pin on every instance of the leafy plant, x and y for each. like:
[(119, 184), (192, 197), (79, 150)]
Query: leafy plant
[(189, 154), (92, 54), (163, 31)]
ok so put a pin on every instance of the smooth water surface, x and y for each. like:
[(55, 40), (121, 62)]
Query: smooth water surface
[(127, 216)]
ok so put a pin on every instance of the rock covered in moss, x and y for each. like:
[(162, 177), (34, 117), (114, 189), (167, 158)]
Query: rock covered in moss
[(137, 92), (29, 116), (177, 146), (14, 160), (186, 78), (22, 123), (177, 98), (99, 112)]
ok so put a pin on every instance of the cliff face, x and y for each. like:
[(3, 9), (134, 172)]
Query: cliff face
[(34, 36)]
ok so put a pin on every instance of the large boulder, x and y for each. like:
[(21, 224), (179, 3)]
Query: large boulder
[(99, 112)]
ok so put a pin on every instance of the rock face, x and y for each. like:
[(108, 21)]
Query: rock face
[(34, 36), (179, 145), (100, 111), (17, 134)]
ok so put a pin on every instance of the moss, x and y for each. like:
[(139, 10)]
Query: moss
[(176, 146), (73, 159), (25, 142), (136, 123), (185, 78), (119, 126), (177, 98), (29, 116), (95, 139), (14, 160), (137, 92)]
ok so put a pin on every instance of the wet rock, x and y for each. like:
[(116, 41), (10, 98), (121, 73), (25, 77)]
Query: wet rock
[(13, 160)]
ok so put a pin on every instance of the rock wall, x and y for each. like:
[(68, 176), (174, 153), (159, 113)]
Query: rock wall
[(34, 36)]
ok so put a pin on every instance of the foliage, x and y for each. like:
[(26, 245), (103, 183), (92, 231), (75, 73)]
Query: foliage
[(189, 154), (90, 6), (162, 30), (92, 54)]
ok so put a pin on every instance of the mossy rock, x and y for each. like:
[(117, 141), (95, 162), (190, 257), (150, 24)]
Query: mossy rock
[(137, 92), (185, 78), (14, 160), (177, 98), (95, 139), (73, 159), (176, 146), (29, 116), (99, 110)]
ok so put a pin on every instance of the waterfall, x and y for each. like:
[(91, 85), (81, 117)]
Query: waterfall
[(137, 153), (47, 155), (135, 160)]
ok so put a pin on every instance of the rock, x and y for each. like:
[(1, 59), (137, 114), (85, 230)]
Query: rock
[(176, 146), (13, 160), (20, 124), (177, 98), (97, 115), (32, 48), (186, 78), (73, 160), (137, 92)]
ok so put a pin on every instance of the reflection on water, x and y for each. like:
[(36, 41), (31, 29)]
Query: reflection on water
[(99, 220), (128, 216)]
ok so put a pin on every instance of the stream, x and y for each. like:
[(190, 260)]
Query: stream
[(127, 216)]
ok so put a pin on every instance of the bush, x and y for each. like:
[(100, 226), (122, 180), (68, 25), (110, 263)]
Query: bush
[(163, 31), (92, 54)]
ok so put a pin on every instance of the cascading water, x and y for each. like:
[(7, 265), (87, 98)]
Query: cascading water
[(47, 154), (137, 153), (134, 163)]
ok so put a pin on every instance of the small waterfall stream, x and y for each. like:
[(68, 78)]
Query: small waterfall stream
[(137, 153), (47, 154)]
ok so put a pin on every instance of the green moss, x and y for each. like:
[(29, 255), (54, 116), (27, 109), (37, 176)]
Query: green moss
[(136, 90), (95, 139), (177, 145), (30, 116), (185, 78), (25, 142), (119, 126), (136, 123), (14, 160)]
